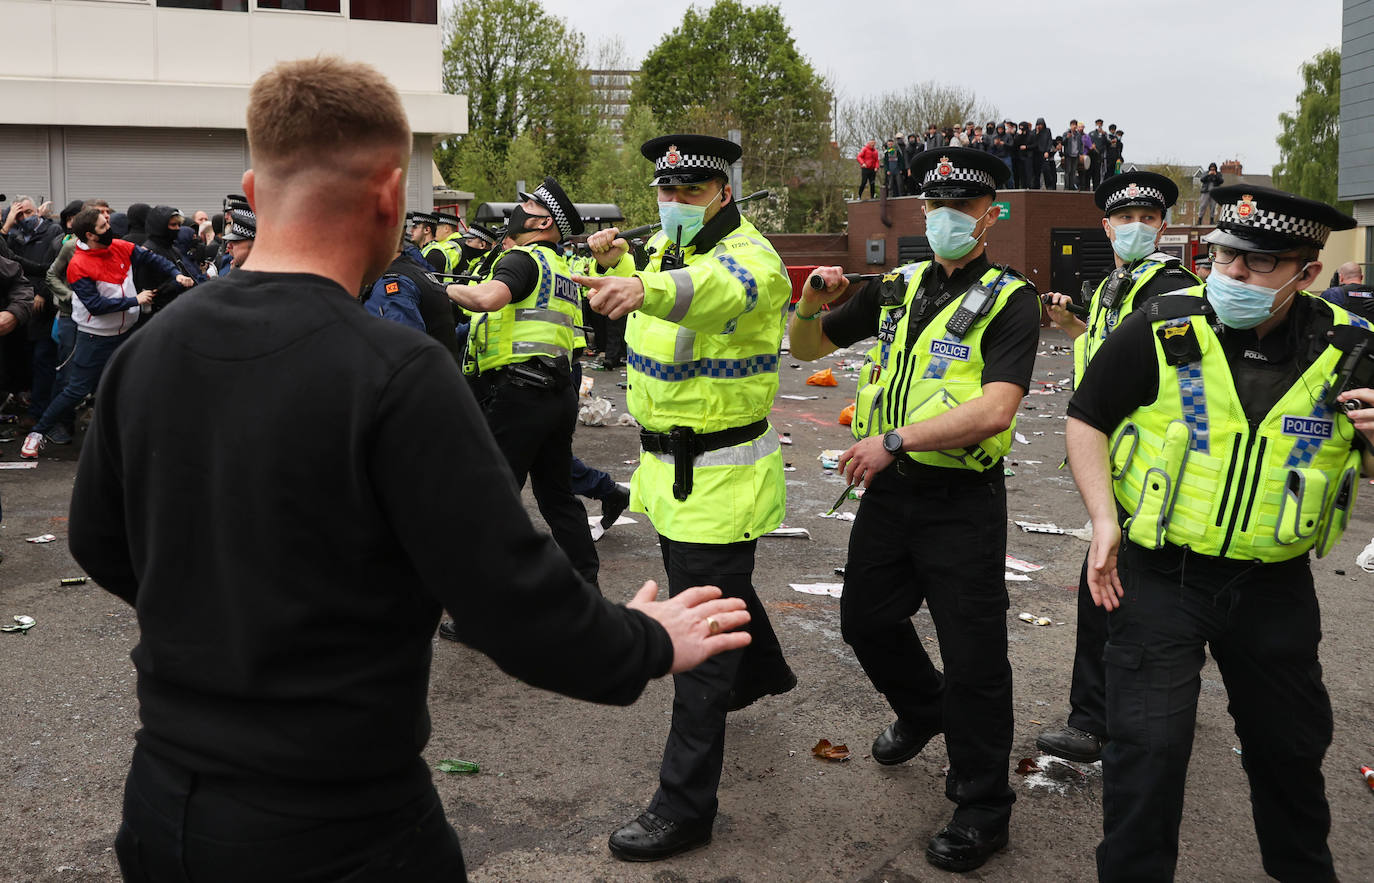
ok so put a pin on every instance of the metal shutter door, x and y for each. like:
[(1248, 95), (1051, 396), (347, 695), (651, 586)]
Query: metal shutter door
[(191, 169), (24, 162)]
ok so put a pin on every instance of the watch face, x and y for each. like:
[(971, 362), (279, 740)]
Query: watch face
[(892, 443)]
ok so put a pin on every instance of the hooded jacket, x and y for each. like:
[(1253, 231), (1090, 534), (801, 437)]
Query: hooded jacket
[(138, 219), (162, 242)]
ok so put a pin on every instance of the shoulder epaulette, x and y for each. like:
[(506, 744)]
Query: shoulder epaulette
[(1176, 305)]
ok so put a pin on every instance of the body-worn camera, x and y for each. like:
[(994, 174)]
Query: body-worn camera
[(1356, 369)]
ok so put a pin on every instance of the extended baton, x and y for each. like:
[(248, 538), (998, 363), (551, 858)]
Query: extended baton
[(457, 276), (1075, 309), (819, 284)]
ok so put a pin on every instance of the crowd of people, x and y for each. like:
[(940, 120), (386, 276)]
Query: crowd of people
[(1033, 154), (365, 529)]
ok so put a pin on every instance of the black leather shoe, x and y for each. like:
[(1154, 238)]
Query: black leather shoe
[(448, 631), (614, 504), (753, 690), (962, 848), (900, 743), (1071, 743), (652, 837)]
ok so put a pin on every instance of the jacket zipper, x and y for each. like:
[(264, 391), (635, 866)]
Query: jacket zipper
[(1230, 476), (1255, 483), (1240, 496)]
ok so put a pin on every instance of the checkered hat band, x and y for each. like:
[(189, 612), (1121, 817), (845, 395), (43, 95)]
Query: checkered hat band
[(1123, 195), (963, 176), (549, 202), (688, 162), (1273, 222)]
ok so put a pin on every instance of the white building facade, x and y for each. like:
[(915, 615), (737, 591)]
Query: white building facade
[(145, 100)]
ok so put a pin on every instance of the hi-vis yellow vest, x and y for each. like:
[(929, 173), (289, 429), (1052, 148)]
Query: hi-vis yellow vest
[(703, 352), (1102, 321), (540, 324), (1191, 471), (941, 370)]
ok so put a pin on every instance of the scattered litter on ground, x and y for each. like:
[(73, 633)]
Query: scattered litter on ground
[(631, 462), (1035, 620), (825, 751), (789, 468), (785, 531), (830, 459), (795, 398), (45, 538), (21, 625), (18, 465), (1237, 752), (594, 413), (846, 417), (1365, 559), (831, 589), (1059, 776), (840, 571), (624, 519), (1084, 533), (1016, 577), (72, 581), (1340, 573), (627, 419), (839, 516), (1368, 773), (823, 377), (585, 390), (1022, 439), (785, 438), (1023, 566), (1039, 527), (457, 766)]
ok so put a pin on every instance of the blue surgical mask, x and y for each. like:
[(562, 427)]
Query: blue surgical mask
[(950, 232), (1134, 241), (1241, 304), (680, 215)]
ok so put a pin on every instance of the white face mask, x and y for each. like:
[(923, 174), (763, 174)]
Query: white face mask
[(1243, 304)]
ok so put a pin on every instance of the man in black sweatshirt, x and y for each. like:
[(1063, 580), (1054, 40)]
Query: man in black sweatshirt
[(288, 546)]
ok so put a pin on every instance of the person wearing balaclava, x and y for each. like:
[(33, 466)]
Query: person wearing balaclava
[(1135, 205), (164, 228), (138, 223)]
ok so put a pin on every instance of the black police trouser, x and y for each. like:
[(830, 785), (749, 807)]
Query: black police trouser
[(534, 429), (942, 544), (1263, 626), (692, 759), (180, 827), (1088, 689), (613, 352)]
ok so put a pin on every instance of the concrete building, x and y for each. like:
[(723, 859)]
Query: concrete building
[(611, 90), (1356, 180), (144, 100)]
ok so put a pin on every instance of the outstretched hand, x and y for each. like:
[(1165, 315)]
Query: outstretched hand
[(689, 618), (613, 296)]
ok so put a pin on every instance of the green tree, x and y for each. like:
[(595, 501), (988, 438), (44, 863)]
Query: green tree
[(733, 66), (521, 69), (616, 173), (1309, 152)]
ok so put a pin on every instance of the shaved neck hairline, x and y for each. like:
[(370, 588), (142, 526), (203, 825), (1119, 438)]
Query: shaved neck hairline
[(331, 177)]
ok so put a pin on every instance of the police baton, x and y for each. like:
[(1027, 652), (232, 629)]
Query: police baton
[(456, 277), (819, 284), (1075, 309), (636, 232)]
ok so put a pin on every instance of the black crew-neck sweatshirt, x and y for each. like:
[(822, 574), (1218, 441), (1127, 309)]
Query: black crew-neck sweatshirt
[(288, 491)]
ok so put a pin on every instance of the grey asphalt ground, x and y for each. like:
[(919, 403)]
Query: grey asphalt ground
[(557, 775)]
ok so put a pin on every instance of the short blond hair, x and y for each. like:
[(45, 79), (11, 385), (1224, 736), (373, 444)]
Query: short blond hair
[(302, 110)]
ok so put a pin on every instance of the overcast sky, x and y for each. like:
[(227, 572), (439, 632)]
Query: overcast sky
[(1190, 81)]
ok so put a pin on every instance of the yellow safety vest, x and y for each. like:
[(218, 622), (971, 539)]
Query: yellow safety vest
[(1103, 320), (941, 370), (1190, 470), (540, 324), (703, 352)]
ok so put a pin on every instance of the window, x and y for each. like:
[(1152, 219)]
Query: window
[(219, 5), (301, 5), (420, 12)]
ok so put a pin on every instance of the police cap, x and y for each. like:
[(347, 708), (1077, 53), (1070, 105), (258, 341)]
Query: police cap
[(958, 173), (486, 234), (689, 159), (243, 226), (551, 196), (424, 218), (1270, 221), (448, 218), (236, 202), (1131, 189)]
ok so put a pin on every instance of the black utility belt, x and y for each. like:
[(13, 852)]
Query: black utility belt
[(530, 374), (685, 445)]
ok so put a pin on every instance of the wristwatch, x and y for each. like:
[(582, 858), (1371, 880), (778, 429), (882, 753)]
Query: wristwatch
[(892, 442)]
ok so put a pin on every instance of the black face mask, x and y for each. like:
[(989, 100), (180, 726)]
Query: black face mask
[(471, 251), (518, 217), (105, 238)]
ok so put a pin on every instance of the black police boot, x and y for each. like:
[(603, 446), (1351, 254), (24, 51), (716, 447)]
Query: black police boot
[(448, 631), (742, 695), (1071, 743), (901, 742), (652, 837), (963, 847)]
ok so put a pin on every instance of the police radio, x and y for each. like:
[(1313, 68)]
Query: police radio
[(976, 304), (1356, 369)]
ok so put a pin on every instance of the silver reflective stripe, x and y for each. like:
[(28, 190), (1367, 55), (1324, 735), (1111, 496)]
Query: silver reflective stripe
[(684, 345), (552, 316), (538, 348), (740, 455), (684, 290)]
